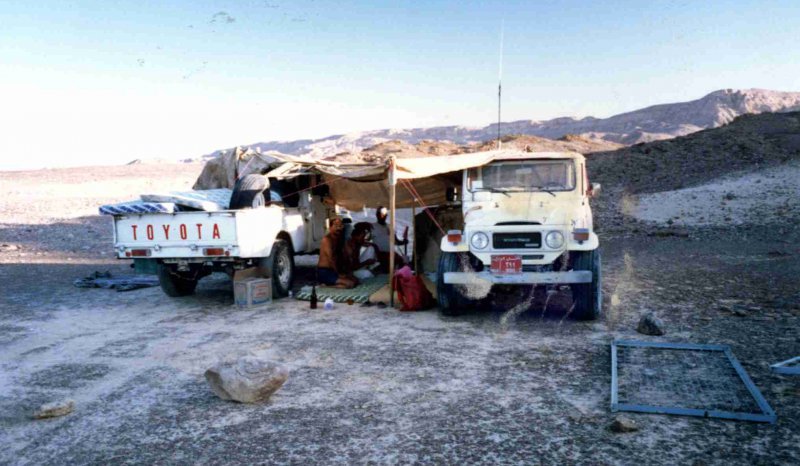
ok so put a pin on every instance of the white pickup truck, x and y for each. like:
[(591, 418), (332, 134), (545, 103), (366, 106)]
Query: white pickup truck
[(183, 247)]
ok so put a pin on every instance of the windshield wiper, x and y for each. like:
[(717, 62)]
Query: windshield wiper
[(542, 188), (499, 190)]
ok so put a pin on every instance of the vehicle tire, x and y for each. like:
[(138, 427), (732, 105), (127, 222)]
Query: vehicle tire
[(248, 192), (280, 266), (174, 283), (587, 297), (452, 302)]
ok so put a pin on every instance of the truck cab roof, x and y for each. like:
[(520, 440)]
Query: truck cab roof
[(500, 155)]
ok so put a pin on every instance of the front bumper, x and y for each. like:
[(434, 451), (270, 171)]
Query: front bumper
[(524, 278)]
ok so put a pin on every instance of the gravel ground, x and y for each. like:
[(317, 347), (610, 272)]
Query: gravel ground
[(370, 385)]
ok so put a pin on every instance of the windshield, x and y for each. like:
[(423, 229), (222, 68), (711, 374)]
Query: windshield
[(544, 175)]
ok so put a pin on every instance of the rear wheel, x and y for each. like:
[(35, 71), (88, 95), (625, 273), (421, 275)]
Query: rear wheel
[(452, 301), (587, 297), (174, 283), (248, 192), (280, 266)]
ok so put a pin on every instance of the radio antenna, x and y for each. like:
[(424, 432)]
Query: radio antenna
[(500, 85)]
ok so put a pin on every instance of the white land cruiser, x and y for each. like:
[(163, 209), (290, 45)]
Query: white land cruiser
[(183, 247), (527, 221)]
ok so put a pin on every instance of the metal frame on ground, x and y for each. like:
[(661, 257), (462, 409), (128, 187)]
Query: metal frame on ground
[(766, 414), (788, 367)]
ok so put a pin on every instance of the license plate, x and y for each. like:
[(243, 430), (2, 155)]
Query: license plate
[(507, 263)]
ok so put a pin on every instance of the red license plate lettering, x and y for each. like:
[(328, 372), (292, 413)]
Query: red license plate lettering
[(507, 263)]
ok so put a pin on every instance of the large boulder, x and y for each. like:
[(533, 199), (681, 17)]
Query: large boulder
[(246, 380)]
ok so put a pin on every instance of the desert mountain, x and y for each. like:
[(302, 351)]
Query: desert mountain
[(653, 123)]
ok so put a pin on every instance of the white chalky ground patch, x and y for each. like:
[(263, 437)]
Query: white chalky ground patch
[(767, 195)]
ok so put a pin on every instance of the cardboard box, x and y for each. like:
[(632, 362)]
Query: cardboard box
[(252, 292)]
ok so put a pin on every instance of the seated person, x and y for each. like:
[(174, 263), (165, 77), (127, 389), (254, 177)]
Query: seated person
[(380, 238), (361, 255), (332, 268)]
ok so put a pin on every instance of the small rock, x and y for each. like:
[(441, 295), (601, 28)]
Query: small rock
[(54, 409), (778, 254), (667, 233), (246, 380), (649, 324), (739, 312), (623, 424)]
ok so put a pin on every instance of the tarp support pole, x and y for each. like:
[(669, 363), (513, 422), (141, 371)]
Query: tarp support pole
[(392, 233), (414, 236)]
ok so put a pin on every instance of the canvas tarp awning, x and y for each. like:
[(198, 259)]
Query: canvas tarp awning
[(354, 186), (367, 185)]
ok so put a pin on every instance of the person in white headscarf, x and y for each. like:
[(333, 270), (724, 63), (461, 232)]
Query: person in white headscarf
[(380, 238)]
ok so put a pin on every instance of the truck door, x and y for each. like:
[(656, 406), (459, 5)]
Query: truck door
[(313, 210), (314, 215), (319, 213)]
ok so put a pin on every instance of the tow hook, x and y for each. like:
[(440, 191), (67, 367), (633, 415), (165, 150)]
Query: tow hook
[(183, 266)]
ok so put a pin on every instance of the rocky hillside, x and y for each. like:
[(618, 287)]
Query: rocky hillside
[(429, 148), (648, 124), (749, 143), (741, 174)]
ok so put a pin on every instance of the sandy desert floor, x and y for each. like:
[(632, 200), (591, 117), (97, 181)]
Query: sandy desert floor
[(370, 385)]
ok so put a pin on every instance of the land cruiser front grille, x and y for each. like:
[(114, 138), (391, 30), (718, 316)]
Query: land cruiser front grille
[(523, 240)]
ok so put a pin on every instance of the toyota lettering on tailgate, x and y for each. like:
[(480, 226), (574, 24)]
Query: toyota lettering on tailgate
[(166, 232)]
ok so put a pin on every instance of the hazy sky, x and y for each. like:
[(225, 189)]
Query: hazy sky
[(90, 82)]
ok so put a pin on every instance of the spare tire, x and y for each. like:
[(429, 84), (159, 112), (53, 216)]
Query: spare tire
[(174, 283), (248, 192)]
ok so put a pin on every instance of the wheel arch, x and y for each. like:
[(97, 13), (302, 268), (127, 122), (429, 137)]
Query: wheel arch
[(284, 235)]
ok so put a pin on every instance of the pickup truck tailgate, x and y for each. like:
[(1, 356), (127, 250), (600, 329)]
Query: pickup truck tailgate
[(196, 234)]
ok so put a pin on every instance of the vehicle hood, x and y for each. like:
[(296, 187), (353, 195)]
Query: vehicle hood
[(551, 211)]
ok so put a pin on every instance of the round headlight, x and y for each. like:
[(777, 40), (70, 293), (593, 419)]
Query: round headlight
[(479, 240), (554, 240)]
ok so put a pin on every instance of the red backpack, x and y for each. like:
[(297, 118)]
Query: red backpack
[(411, 291)]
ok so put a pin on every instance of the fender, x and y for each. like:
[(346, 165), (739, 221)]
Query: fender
[(447, 246), (590, 245)]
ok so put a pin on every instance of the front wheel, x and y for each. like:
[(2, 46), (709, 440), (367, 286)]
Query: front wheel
[(451, 300), (174, 283), (280, 266), (587, 297)]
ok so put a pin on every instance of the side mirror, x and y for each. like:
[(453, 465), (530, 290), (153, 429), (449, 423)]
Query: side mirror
[(451, 194), (594, 190)]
